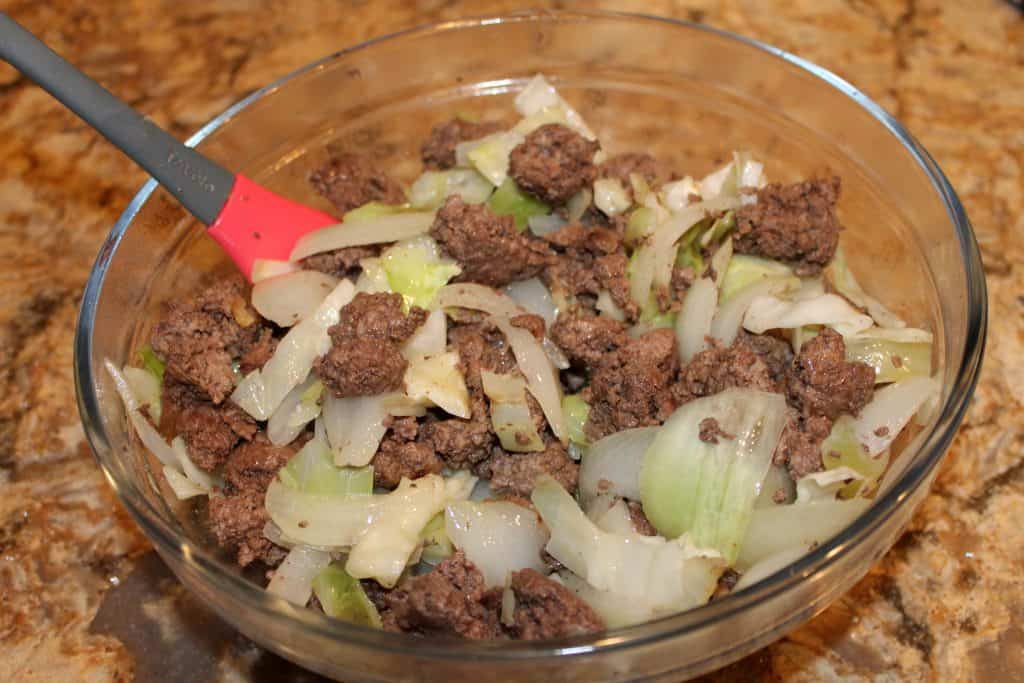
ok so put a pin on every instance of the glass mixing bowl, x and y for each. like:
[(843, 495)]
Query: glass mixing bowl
[(688, 94)]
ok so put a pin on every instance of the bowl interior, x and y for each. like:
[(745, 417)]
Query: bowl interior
[(687, 95)]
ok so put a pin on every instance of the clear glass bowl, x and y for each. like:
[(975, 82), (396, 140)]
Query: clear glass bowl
[(687, 93)]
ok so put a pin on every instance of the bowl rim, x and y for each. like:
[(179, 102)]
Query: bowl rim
[(934, 444)]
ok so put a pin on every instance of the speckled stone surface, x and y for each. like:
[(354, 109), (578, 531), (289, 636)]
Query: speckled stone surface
[(83, 597)]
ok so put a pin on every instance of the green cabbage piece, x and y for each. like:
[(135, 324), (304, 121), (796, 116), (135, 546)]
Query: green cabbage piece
[(151, 362), (892, 360), (416, 270), (842, 448), (641, 223), (576, 412), (510, 200), (312, 470), (432, 188), (375, 209), (343, 597), (744, 271), (436, 544)]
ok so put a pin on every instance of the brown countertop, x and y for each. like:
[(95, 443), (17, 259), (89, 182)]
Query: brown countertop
[(83, 597)]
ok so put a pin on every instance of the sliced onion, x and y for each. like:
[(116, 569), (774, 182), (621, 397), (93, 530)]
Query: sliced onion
[(693, 325), (264, 268), (534, 297), (771, 313), (203, 480), (287, 299), (779, 528), (124, 389), (436, 379), (479, 298), (182, 487), (497, 537), (294, 413), (676, 195), (539, 95), (355, 426), (612, 464), (769, 565), (720, 261), (577, 204), (510, 414), (610, 197), (430, 339), (541, 378), (321, 520), (729, 317), (844, 281), (293, 578), (554, 354), (892, 407), (359, 231), (607, 306), (145, 387)]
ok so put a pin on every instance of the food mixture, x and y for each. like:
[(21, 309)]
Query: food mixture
[(543, 391)]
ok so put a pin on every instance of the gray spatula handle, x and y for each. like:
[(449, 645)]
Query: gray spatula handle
[(200, 184)]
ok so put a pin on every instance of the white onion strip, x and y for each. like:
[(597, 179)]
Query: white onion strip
[(693, 325), (287, 299), (881, 420), (359, 231), (293, 578)]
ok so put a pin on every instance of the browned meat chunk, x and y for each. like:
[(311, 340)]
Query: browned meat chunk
[(487, 247), (447, 601), (237, 515), (400, 455), (199, 339), (438, 152), (547, 609), (259, 352), (534, 324), (590, 259), (632, 387), (463, 443), (517, 473), (726, 582), (351, 180), (711, 431), (587, 339), (641, 524), (364, 358), (210, 431), (553, 163), (822, 382), (719, 368), (794, 223), (776, 353), (340, 263), (621, 166), (800, 446)]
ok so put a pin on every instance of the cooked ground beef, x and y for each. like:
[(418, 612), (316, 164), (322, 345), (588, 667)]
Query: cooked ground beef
[(822, 382), (794, 223), (726, 582), (447, 601), (553, 163), (259, 352), (799, 448), (199, 340), (719, 368), (711, 431), (400, 455), (351, 180), (632, 387), (211, 432), (364, 358), (776, 353), (641, 524), (438, 152), (622, 166), (517, 473), (547, 609), (587, 339), (340, 262), (590, 259), (487, 247), (532, 323), (237, 515)]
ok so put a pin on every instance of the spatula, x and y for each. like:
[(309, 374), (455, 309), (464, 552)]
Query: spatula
[(249, 221)]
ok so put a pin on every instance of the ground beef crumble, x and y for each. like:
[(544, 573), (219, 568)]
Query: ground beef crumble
[(488, 247), (641, 524), (438, 151), (547, 609), (822, 382), (793, 223), (553, 163), (365, 358), (799, 447), (719, 368), (209, 431), (517, 473), (401, 456), (350, 180), (586, 339), (711, 432)]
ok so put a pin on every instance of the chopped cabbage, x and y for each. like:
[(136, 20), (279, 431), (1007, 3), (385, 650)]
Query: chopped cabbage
[(611, 466), (728, 319), (436, 544), (145, 386), (416, 270), (745, 270), (300, 407), (430, 339), (372, 279), (576, 412), (293, 578), (312, 470), (151, 362), (437, 380), (693, 325), (510, 200), (539, 96), (889, 411), (261, 391), (719, 230), (355, 427), (287, 299), (641, 223), (545, 224), (892, 360), (490, 155), (771, 313), (707, 488), (342, 597), (669, 576), (510, 414), (675, 196), (432, 188)]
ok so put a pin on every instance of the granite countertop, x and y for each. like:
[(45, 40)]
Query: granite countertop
[(84, 597)]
